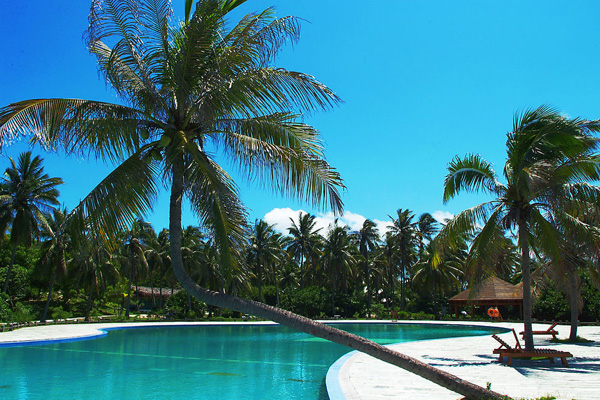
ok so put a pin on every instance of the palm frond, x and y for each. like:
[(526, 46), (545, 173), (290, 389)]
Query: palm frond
[(470, 173), (214, 198), (115, 203), (78, 126)]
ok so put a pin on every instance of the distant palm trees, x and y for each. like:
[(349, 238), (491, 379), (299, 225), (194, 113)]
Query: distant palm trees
[(27, 196), (550, 159)]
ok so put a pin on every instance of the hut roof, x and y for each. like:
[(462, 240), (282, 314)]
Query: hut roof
[(491, 289)]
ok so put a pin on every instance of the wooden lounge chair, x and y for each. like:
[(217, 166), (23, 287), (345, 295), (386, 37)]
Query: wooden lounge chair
[(505, 350), (549, 331)]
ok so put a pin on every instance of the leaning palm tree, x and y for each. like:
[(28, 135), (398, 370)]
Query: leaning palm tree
[(193, 89), (27, 195), (550, 159)]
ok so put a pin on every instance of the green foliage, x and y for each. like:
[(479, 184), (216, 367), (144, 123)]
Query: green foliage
[(22, 313), (178, 306), (5, 311), (58, 313), (311, 301), (551, 304)]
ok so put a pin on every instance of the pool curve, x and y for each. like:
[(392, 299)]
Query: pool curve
[(99, 331)]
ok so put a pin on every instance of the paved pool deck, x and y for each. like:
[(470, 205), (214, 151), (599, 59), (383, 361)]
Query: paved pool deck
[(361, 377)]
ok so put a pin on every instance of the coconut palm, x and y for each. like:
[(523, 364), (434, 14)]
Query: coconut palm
[(27, 196), (193, 89), (134, 262), (368, 238), (337, 257), (403, 232), (264, 250), (304, 242), (437, 272), (550, 158), (425, 228), (53, 252)]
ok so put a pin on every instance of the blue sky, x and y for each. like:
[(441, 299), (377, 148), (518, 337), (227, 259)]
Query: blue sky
[(422, 82)]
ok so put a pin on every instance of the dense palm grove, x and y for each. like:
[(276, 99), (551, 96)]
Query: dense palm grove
[(326, 273)]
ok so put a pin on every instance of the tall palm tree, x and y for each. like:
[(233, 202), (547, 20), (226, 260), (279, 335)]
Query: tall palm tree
[(53, 254), (550, 158), (368, 238), (425, 228), (27, 195), (188, 87), (436, 272), (135, 262), (263, 251), (337, 257), (304, 240), (403, 232)]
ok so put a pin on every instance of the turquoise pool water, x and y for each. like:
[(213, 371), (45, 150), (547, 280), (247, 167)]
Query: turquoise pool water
[(194, 362)]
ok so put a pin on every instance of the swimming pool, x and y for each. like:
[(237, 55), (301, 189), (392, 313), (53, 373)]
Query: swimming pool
[(194, 362)]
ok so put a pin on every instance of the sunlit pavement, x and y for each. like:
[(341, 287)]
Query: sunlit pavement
[(470, 358)]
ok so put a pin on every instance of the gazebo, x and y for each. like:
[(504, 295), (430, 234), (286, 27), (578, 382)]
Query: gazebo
[(492, 292)]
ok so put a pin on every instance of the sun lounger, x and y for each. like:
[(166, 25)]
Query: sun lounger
[(549, 331), (505, 350)]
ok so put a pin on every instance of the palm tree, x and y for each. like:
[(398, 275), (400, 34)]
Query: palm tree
[(263, 251), (188, 87), (437, 273), (578, 248), (135, 245), (27, 195), (53, 254), (425, 228), (337, 257), (368, 238), (403, 232), (304, 240), (549, 160)]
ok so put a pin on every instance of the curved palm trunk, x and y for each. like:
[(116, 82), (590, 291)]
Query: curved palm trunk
[(301, 323), (10, 267), (526, 270), (45, 313), (573, 304)]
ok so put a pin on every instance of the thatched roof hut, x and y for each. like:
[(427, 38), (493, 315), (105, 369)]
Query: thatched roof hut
[(492, 292)]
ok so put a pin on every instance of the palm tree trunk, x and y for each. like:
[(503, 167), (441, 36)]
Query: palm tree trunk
[(128, 301), (526, 272), (260, 282), (300, 323), (89, 300), (45, 313), (573, 304), (152, 289), (10, 267)]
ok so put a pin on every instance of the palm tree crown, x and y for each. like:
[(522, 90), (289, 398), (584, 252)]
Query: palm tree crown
[(27, 196), (550, 159)]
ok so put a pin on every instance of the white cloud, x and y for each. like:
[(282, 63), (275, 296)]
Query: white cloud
[(280, 219), (382, 227), (442, 216)]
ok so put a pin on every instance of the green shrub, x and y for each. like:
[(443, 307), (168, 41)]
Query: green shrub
[(22, 313), (57, 313)]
